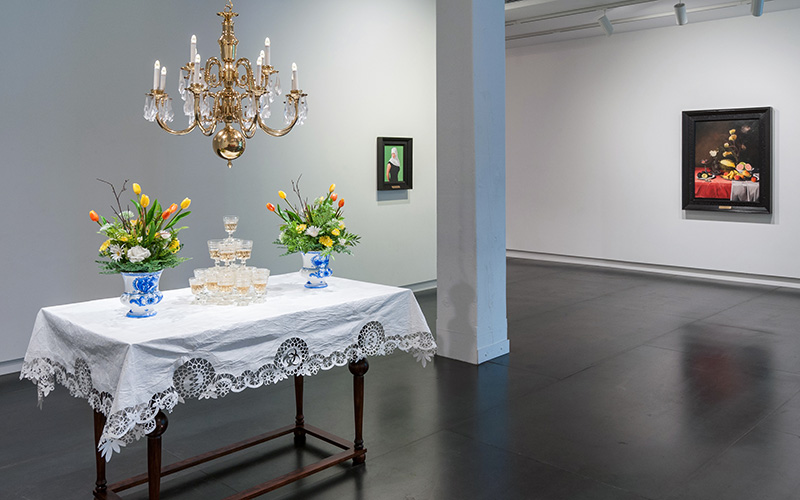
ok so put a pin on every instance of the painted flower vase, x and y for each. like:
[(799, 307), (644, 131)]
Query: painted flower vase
[(315, 269), (141, 294)]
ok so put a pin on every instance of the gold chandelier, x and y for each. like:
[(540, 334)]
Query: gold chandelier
[(247, 107)]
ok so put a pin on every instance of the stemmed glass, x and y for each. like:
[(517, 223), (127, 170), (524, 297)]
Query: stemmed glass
[(227, 280), (227, 251), (243, 281), (244, 250), (260, 278), (230, 222), (213, 250)]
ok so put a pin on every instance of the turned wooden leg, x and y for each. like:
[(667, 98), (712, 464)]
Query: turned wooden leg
[(358, 369), (154, 456), (100, 462), (299, 421)]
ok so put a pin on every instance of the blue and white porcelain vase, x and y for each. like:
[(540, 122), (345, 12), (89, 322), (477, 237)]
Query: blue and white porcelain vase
[(315, 269), (141, 293)]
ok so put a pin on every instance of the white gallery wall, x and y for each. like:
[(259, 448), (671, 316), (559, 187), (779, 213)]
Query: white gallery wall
[(76, 74), (594, 144)]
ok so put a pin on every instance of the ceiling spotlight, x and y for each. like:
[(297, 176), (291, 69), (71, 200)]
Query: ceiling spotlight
[(757, 7), (680, 14), (605, 24)]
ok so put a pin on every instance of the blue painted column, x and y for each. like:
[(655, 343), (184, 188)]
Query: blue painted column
[(471, 226)]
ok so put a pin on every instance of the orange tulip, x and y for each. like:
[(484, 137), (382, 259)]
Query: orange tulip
[(173, 208), (93, 215), (341, 203), (334, 196), (270, 207), (166, 214)]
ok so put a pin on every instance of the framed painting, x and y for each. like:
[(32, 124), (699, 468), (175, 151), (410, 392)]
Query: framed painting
[(727, 160), (395, 163)]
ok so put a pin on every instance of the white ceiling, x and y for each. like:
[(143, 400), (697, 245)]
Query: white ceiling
[(530, 22)]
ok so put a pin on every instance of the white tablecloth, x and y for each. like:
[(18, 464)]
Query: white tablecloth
[(129, 369)]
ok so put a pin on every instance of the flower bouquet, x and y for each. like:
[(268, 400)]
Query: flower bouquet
[(140, 241), (140, 244), (316, 230)]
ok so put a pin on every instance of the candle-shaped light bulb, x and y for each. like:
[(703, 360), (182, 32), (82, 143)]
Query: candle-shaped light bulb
[(193, 51), (266, 52), (197, 68), (156, 74), (258, 72), (163, 84), (295, 84)]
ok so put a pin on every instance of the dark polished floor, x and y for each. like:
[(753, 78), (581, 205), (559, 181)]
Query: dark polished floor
[(619, 385)]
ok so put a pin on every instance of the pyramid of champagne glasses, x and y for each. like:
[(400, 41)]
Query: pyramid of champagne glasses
[(232, 282)]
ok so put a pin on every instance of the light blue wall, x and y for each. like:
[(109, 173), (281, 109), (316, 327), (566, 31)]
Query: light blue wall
[(75, 74)]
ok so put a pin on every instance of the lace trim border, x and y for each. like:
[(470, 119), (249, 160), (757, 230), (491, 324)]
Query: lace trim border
[(197, 378)]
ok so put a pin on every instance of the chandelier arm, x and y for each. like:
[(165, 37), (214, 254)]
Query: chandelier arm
[(213, 81), (280, 132), (166, 127), (250, 81), (198, 119)]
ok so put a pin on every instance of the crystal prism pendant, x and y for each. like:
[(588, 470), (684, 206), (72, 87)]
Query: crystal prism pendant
[(188, 104), (182, 88), (263, 102), (149, 108), (288, 112), (303, 113)]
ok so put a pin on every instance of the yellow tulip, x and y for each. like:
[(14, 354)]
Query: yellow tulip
[(145, 200), (330, 189), (185, 203), (282, 195), (137, 189)]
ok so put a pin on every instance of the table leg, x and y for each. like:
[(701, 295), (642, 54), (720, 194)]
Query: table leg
[(358, 369), (299, 421), (99, 461), (154, 456)]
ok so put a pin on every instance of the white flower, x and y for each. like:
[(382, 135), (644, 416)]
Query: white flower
[(312, 231), (165, 234), (126, 214), (138, 254), (116, 252), (342, 241), (713, 153), (105, 227), (281, 237)]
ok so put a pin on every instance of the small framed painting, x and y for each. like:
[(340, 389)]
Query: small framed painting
[(727, 160), (395, 163)]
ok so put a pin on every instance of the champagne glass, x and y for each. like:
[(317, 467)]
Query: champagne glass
[(212, 282), (230, 222), (244, 251), (213, 251), (242, 285), (198, 287), (260, 278), (227, 251), (227, 279)]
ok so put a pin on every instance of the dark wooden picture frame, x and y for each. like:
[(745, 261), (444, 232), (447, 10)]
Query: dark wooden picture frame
[(727, 160), (395, 163)]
